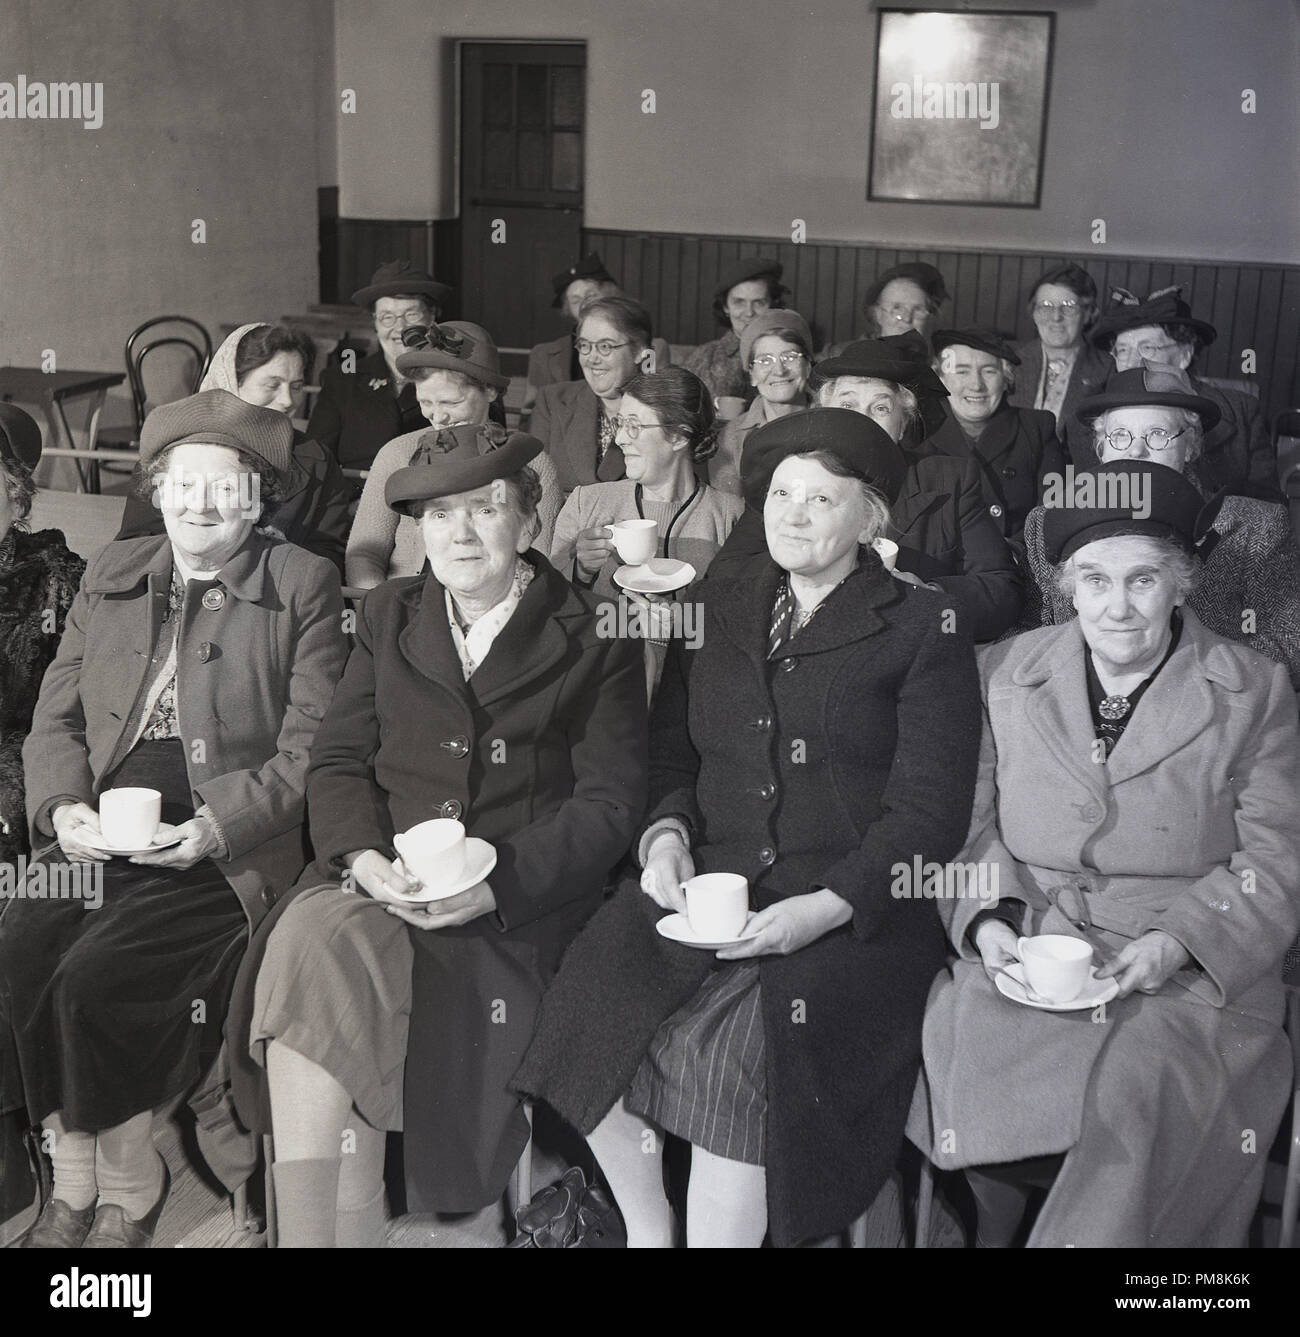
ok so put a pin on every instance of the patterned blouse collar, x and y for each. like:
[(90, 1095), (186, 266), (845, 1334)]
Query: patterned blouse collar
[(473, 645)]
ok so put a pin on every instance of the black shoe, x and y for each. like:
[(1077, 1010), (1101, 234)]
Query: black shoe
[(112, 1230), (59, 1227)]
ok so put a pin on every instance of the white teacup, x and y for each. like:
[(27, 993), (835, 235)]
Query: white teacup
[(887, 551), (129, 817), (1056, 965), (717, 904), (635, 540), (433, 852)]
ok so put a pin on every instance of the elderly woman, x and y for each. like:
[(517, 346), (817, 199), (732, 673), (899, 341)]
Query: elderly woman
[(1249, 587), (268, 365), (776, 352), (823, 735), (358, 411), (744, 290), (940, 519), (1059, 367), (1139, 790), (557, 360), (906, 297), (1237, 454), (482, 692), (456, 371), (38, 579), (197, 664), (1014, 448), (574, 421)]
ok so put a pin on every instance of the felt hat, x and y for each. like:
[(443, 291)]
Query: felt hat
[(1128, 312), (1151, 383), (591, 267), (20, 437), (901, 358), (986, 341), (400, 278), (459, 459), (218, 418), (741, 271), (766, 322), (455, 345)]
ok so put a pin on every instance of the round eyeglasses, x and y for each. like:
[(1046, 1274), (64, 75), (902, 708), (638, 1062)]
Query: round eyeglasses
[(766, 361), (1158, 438), (603, 346), (1049, 309), (388, 319)]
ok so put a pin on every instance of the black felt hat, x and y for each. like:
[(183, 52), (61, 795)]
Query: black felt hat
[(459, 459)]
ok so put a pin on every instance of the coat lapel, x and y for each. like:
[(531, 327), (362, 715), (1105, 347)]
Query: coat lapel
[(425, 641)]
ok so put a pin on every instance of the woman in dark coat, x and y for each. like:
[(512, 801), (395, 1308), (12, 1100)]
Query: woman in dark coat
[(197, 664), (820, 742), (480, 692)]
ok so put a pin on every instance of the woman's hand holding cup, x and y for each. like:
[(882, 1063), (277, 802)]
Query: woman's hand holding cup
[(72, 821), (997, 943), (376, 875), (593, 548), (668, 864)]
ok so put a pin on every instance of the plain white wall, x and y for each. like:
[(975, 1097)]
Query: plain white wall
[(764, 113)]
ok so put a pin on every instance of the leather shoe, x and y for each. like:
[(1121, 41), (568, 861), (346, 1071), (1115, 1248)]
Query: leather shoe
[(112, 1230), (59, 1226)]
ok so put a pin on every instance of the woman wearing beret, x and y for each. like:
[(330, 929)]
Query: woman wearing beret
[(480, 692), (823, 734), (1060, 367), (1249, 586), (905, 297), (268, 365), (1139, 790), (776, 352), (197, 664), (358, 411), (456, 371), (1014, 448), (1237, 454), (939, 519), (745, 288)]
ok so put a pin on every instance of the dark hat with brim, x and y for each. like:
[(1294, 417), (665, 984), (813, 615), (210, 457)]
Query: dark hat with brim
[(20, 437), (459, 459), (400, 278), (589, 267), (770, 322), (455, 345), (742, 271), (1124, 497), (218, 418), (1152, 383), (984, 341), (926, 277), (865, 447), (1167, 307), (901, 358)]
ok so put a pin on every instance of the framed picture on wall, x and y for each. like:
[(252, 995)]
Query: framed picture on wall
[(960, 109)]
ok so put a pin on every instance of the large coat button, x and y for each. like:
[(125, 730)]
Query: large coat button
[(205, 652), (767, 855), (452, 808), (767, 791), (995, 511), (787, 665), (213, 600), (457, 746), (268, 897)]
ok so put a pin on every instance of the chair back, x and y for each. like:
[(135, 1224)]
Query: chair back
[(193, 364)]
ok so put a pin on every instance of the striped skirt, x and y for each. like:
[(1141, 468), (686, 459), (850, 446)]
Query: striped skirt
[(702, 1077)]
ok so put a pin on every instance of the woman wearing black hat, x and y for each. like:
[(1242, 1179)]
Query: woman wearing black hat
[(1014, 448), (744, 289), (905, 297), (195, 666), (822, 734), (1139, 793), (481, 692), (358, 410), (1249, 590)]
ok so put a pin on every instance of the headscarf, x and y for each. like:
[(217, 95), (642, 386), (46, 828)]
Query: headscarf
[(221, 374)]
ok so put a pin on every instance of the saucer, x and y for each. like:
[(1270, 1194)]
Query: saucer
[(1093, 995), (660, 575), (677, 928), (480, 860), (128, 854)]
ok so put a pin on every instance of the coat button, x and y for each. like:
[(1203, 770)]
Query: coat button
[(995, 511), (767, 791), (214, 600), (268, 897), (452, 808), (205, 652), (457, 746), (787, 665), (767, 855), (765, 723), (1008, 471)]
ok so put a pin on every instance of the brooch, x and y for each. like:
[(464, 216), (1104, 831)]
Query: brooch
[(378, 383), (1114, 708)]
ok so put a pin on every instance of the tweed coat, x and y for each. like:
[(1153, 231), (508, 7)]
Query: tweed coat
[(1092, 368), (38, 581), (1254, 567), (542, 753), (946, 535), (847, 755), (356, 414), (1191, 827), (254, 678)]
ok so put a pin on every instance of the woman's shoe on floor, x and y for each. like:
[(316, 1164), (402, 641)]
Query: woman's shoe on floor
[(60, 1226), (112, 1230)]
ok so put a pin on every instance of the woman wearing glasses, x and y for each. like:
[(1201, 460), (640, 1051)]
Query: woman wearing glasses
[(1249, 587), (776, 352), (1059, 368), (905, 297)]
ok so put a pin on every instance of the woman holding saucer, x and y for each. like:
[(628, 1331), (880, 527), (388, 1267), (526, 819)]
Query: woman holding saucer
[(823, 732), (1139, 789), (482, 692)]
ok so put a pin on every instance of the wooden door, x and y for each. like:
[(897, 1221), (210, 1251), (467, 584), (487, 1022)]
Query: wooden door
[(523, 108)]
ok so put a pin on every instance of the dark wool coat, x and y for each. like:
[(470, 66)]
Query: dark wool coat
[(1015, 450), (566, 420), (254, 677), (543, 753), (38, 581), (945, 531), (1092, 368), (852, 752), (313, 512), (356, 414)]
